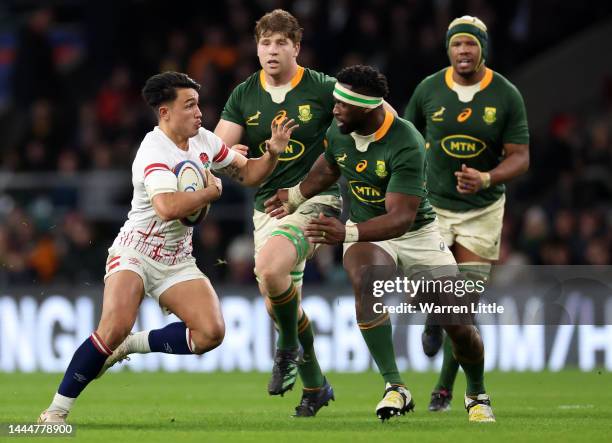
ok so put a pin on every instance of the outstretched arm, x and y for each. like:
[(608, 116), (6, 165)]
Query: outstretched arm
[(320, 177), (253, 171), (401, 212)]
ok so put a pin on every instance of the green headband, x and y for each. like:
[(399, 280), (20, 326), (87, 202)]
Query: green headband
[(474, 31), (354, 98)]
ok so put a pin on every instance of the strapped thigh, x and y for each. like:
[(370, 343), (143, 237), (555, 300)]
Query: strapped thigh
[(296, 237)]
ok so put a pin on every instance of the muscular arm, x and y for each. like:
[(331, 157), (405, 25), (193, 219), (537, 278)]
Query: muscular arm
[(515, 163), (251, 171), (401, 212), (176, 205), (240, 170), (230, 132), (321, 176)]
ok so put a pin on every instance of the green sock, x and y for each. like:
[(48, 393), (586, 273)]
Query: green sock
[(379, 339), (450, 366), (474, 373), (309, 369), (285, 308)]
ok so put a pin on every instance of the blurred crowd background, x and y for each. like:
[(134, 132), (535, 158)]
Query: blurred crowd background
[(71, 119)]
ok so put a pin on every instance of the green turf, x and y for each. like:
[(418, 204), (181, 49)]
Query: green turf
[(173, 407)]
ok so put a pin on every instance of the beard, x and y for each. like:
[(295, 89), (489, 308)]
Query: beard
[(345, 129)]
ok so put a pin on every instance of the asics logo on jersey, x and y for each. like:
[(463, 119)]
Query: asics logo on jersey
[(365, 192), (360, 167), (465, 114), (252, 120), (462, 146), (294, 150), (437, 116), (341, 158), (280, 116)]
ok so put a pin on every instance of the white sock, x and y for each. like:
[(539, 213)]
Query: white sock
[(61, 404), (139, 342)]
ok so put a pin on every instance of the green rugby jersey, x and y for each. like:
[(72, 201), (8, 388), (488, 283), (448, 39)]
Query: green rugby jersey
[(393, 162), (309, 102), (471, 132)]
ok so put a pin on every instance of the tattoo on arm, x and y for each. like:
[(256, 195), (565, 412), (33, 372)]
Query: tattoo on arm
[(232, 172)]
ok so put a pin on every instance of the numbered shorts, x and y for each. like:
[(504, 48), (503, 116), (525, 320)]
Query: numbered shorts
[(420, 250), (292, 228), (156, 277), (478, 230)]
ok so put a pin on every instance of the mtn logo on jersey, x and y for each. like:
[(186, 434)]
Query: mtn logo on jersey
[(294, 149), (462, 146), (304, 113), (365, 192), (205, 160)]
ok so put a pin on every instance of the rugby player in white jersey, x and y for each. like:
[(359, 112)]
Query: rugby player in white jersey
[(152, 253)]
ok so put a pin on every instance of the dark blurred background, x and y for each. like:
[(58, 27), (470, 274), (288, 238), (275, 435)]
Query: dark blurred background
[(71, 117)]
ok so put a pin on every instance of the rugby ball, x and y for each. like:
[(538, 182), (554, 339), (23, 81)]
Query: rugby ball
[(190, 179)]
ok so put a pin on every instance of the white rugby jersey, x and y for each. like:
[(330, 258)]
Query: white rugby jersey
[(168, 242)]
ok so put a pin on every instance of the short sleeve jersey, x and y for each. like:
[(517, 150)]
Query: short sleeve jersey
[(393, 162), (471, 133), (168, 242), (309, 102)]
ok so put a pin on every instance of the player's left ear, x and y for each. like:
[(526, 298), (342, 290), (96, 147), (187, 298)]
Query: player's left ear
[(163, 112), (297, 48)]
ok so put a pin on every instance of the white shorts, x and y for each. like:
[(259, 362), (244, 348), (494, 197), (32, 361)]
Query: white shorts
[(156, 277), (478, 230), (423, 249), (292, 227)]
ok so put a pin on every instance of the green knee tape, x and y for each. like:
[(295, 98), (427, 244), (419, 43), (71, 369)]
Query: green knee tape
[(296, 237), (297, 276), (300, 235), (289, 237)]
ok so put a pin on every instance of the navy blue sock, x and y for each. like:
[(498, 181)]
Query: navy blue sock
[(175, 338), (86, 363)]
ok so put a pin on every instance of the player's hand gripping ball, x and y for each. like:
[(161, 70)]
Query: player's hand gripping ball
[(190, 179)]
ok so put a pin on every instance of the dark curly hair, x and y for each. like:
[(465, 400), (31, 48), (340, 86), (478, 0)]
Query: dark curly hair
[(161, 88), (365, 80)]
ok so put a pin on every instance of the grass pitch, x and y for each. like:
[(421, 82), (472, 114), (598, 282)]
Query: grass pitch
[(173, 407)]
